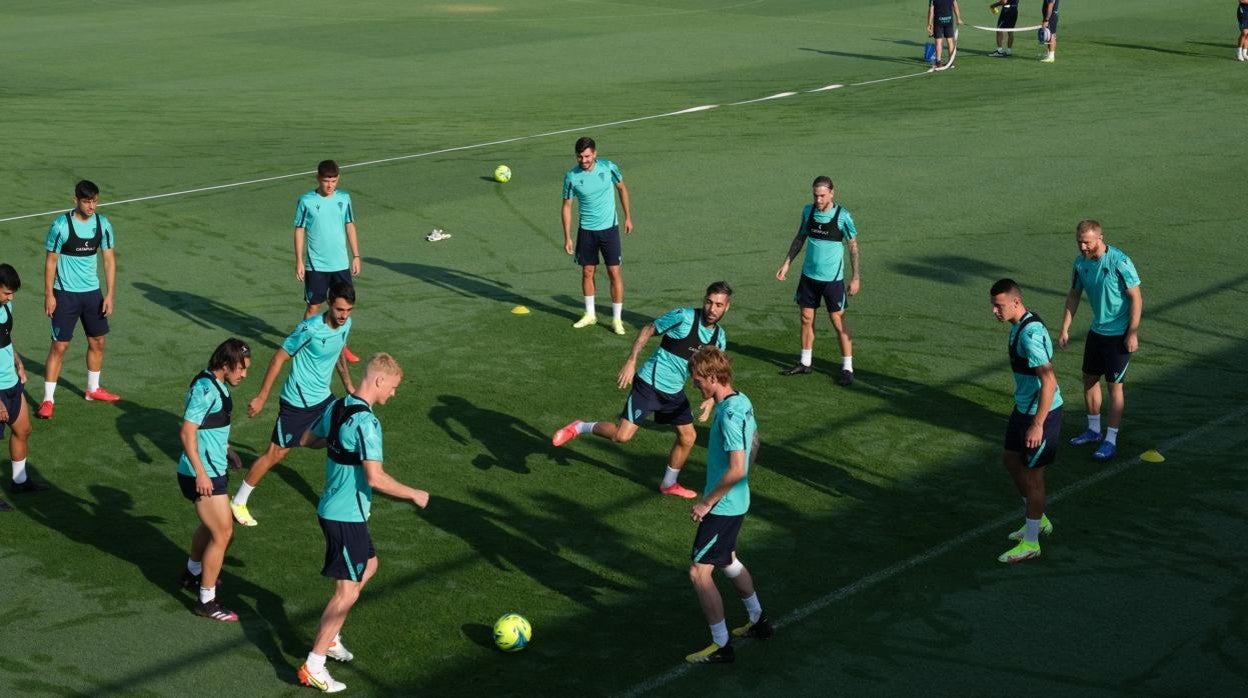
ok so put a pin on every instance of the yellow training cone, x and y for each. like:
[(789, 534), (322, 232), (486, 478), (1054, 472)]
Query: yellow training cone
[(519, 310), (1151, 456)]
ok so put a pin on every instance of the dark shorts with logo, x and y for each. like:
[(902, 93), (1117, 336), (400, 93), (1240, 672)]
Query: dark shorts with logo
[(316, 284), (293, 421), (811, 292), (590, 242), (14, 399), (1008, 18), (75, 306), (716, 540), (1016, 437), (1053, 16), (943, 30), (667, 408), (220, 485), (1241, 13), (348, 548), (1106, 355)]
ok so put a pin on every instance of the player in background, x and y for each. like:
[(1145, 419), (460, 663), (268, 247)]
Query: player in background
[(940, 18), (659, 387), (1109, 277), (594, 183), (203, 468), (315, 350), (325, 229), (720, 512), (13, 411), (831, 231), (1007, 19), (71, 284), (1241, 14), (351, 434), (1048, 15), (1035, 424)]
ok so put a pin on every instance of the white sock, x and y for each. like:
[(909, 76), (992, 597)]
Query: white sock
[(617, 310), (93, 380), (316, 662), (847, 363), (1031, 531), (719, 633), (48, 390), (19, 471), (206, 594), (1094, 422), (244, 491), (806, 356), (753, 607), (1050, 54), (337, 638), (1111, 435), (195, 568), (589, 305), (669, 476), (582, 428)]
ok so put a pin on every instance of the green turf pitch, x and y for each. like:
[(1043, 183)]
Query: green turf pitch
[(863, 534)]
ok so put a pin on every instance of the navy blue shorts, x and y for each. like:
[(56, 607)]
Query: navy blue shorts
[(348, 548), (716, 539), (13, 399), (810, 292), (943, 30), (1241, 13), (316, 284), (1052, 16), (293, 421), (220, 485), (667, 408), (1016, 437), (1105, 355), (590, 242), (1008, 18), (72, 306)]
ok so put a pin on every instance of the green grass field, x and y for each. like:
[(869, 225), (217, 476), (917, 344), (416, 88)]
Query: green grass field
[(872, 535)]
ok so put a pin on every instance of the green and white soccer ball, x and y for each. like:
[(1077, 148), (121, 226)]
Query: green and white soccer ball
[(502, 173), (512, 632)]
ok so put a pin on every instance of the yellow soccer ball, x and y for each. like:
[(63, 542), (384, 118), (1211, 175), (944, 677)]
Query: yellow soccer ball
[(512, 632), (502, 174)]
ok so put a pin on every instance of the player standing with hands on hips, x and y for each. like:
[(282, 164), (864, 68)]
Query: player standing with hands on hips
[(594, 183)]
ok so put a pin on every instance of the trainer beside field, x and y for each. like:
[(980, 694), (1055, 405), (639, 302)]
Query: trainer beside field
[(594, 183)]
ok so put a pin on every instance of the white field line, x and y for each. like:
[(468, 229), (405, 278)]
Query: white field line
[(893, 570)]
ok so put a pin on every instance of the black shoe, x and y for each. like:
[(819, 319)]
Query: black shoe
[(4, 506), (847, 378), (798, 369), (760, 629), (30, 485), (216, 611)]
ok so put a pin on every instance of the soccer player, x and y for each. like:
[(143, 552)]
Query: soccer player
[(325, 225), (1048, 13), (71, 284), (940, 18), (1241, 13), (1113, 288), (831, 231), (595, 184), (1008, 19), (1036, 422), (351, 435), (315, 350), (721, 510), (205, 436), (13, 412), (659, 387)]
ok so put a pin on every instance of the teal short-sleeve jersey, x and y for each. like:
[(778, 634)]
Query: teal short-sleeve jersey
[(665, 371), (314, 348), (594, 191), (347, 495), (8, 370), (825, 258), (733, 430), (324, 220), (1106, 281), (77, 267), (1031, 343), (202, 399)]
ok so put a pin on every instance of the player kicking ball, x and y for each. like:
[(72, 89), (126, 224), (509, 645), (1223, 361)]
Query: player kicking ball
[(659, 387)]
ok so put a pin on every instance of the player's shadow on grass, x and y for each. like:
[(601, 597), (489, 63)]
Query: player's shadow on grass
[(1153, 49), (467, 284), (296, 481), (158, 427), (35, 368), (110, 525), (209, 313), (864, 56), (632, 320), (952, 269)]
